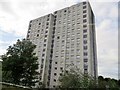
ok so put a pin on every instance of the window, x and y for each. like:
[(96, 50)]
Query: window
[(84, 16), (55, 74), (85, 53), (60, 74), (84, 20), (55, 62), (84, 7), (43, 50), (85, 36), (85, 30), (27, 36), (44, 45), (42, 60), (58, 37), (37, 35), (85, 60), (54, 80), (47, 23), (43, 55), (85, 66), (85, 47), (84, 11), (45, 35), (61, 68), (85, 41), (55, 12), (28, 31), (84, 3), (39, 23), (55, 68), (56, 56), (46, 31), (84, 26), (64, 10), (45, 40), (63, 41)]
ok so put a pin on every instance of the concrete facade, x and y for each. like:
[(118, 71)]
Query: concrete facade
[(64, 39)]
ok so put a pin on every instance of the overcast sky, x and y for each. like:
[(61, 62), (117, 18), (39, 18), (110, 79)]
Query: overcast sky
[(16, 14)]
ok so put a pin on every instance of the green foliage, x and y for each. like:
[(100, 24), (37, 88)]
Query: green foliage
[(20, 64), (107, 83), (75, 79)]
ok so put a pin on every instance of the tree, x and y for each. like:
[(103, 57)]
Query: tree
[(107, 83), (20, 64), (75, 79)]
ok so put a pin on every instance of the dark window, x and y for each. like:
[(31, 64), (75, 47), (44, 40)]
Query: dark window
[(45, 40), (37, 35), (53, 36), (84, 26), (43, 55), (84, 11), (31, 21), (48, 19), (54, 86), (30, 25), (27, 36), (84, 20), (48, 15), (39, 23), (46, 31), (58, 37), (85, 53), (55, 12), (63, 40), (55, 16), (64, 10), (54, 80), (85, 60), (84, 7), (85, 30), (61, 68), (45, 35), (55, 62), (42, 60), (41, 65), (44, 44), (84, 16), (54, 23), (28, 31), (85, 41), (84, 3), (55, 74), (60, 74), (85, 36), (85, 47), (55, 68), (53, 28), (43, 50), (38, 30), (47, 23)]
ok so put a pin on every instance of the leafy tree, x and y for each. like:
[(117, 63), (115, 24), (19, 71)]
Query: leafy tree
[(108, 83), (75, 79), (20, 64)]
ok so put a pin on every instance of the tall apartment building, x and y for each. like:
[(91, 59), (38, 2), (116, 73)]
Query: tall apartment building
[(64, 39)]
